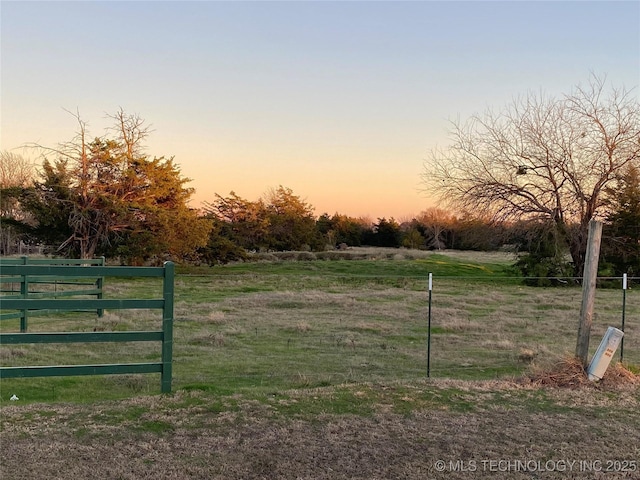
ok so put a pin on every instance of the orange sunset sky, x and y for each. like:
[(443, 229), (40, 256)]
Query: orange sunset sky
[(339, 101)]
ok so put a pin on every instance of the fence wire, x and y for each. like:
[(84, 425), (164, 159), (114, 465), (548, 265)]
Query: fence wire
[(295, 331)]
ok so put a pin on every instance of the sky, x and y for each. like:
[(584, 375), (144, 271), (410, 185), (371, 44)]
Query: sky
[(339, 101)]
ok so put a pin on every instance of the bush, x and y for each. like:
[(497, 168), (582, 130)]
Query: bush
[(544, 271)]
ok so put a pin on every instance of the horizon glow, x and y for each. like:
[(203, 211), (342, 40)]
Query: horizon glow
[(339, 101)]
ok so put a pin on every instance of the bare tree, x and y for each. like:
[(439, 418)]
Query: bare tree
[(15, 170), (435, 222), (16, 173), (541, 158), (130, 130)]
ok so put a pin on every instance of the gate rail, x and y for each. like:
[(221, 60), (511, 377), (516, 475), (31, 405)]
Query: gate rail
[(86, 285), (165, 336)]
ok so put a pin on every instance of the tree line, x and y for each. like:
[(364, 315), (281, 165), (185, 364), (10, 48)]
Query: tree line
[(140, 215), (528, 178)]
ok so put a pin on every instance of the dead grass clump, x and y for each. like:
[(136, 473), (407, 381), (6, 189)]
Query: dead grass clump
[(618, 375), (569, 373), (215, 318), (527, 355), (303, 327)]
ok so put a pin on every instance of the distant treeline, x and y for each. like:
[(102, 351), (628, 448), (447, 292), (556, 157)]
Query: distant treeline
[(105, 197), (231, 228), (282, 221)]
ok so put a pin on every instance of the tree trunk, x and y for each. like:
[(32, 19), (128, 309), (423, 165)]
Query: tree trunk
[(577, 243), (578, 251)]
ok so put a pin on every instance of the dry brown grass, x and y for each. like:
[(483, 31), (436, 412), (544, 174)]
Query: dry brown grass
[(9, 353), (568, 372), (189, 436)]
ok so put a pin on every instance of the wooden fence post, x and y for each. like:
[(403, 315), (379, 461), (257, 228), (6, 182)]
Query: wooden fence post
[(588, 290)]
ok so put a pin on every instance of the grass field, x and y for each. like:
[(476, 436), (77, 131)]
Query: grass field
[(317, 369)]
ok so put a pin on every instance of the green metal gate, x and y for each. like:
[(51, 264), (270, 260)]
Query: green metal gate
[(46, 286), (165, 336)]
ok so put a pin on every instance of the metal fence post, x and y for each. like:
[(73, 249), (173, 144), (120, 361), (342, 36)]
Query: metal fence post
[(167, 326), (624, 308), (100, 286), (429, 328), (24, 293)]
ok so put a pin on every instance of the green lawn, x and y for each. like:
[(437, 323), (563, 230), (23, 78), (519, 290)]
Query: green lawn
[(271, 326)]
